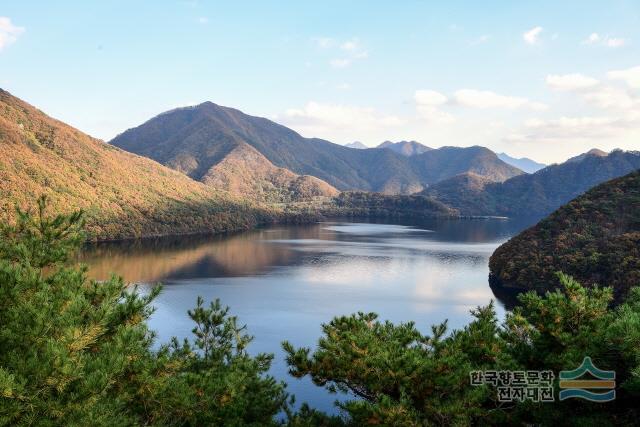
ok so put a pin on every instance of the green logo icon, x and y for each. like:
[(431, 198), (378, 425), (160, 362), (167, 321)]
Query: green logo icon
[(571, 386)]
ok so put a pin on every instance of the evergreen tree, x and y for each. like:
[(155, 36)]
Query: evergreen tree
[(78, 352)]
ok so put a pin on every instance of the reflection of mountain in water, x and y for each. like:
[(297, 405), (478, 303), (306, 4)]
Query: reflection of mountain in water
[(260, 251), (185, 257)]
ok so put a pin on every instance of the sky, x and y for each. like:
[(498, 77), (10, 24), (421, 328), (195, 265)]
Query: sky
[(542, 79)]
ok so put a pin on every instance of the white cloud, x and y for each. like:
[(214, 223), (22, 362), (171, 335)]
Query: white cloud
[(427, 105), (532, 36), (429, 98), (9, 33), (575, 128), (593, 92), (340, 62), (486, 99), (344, 86), (203, 20), (596, 39), (592, 39), (347, 52), (610, 98), (350, 46), (324, 42), (480, 40), (631, 76), (570, 82), (616, 42), (320, 119)]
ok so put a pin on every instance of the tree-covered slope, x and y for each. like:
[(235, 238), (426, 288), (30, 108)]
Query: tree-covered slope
[(595, 238), (194, 139), (534, 195), (246, 172), (124, 195)]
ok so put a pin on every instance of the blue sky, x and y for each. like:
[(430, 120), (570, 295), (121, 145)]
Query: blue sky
[(545, 79)]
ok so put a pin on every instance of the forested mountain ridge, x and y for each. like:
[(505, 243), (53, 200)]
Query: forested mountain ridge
[(124, 195), (194, 139), (533, 195), (244, 171), (595, 238)]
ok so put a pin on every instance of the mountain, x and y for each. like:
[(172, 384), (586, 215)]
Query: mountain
[(406, 148), (593, 152), (595, 238), (192, 140), (464, 191), (244, 171), (124, 195), (356, 144), (533, 195), (446, 162), (527, 165)]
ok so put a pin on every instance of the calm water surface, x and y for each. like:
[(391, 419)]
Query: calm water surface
[(285, 281)]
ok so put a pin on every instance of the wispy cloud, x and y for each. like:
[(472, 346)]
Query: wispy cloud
[(631, 76), (532, 36), (485, 99), (480, 40), (428, 103), (594, 92), (595, 39), (9, 33), (317, 118), (346, 51), (570, 82)]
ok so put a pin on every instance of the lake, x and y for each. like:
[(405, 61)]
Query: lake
[(283, 282)]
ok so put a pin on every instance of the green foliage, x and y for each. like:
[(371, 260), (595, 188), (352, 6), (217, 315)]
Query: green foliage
[(401, 377), (78, 352), (595, 238), (361, 204)]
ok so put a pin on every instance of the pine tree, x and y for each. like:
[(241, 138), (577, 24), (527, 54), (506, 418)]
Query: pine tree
[(78, 352)]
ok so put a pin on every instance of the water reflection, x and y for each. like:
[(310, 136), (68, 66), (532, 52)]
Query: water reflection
[(284, 282)]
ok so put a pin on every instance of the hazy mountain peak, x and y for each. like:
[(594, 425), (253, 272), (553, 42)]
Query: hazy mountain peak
[(406, 148), (524, 163), (356, 144)]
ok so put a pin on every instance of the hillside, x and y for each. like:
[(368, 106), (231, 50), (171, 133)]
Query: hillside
[(534, 195), (595, 238), (464, 191), (194, 139), (447, 162), (124, 195), (406, 148), (246, 172), (524, 163)]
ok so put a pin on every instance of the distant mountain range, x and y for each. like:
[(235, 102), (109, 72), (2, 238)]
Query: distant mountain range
[(124, 195), (194, 140), (523, 163), (533, 195), (406, 148), (227, 171), (595, 238)]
